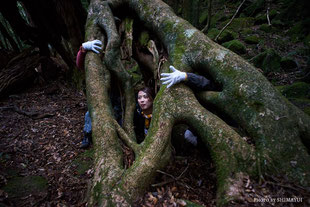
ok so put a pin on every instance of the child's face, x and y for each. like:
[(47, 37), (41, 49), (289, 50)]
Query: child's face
[(144, 101)]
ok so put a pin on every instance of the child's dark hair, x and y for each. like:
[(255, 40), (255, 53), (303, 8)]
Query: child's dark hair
[(149, 91)]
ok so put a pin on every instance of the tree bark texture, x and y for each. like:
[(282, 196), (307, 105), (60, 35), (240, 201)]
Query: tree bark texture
[(280, 131)]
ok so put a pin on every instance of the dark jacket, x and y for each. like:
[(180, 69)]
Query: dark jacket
[(139, 121), (197, 82)]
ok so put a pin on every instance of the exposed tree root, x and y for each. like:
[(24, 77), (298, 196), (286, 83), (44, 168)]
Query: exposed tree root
[(277, 127)]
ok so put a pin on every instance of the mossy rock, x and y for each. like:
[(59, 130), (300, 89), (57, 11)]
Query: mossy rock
[(239, 23), (268, 61), (266, 28), (247, 31), (235, 46), (226, 36), (251, 39), (23, 186), (84, 161), (288, 63), (212, 33), (299, 90)]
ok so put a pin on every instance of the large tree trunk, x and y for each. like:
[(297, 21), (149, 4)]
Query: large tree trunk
[(281, 132)]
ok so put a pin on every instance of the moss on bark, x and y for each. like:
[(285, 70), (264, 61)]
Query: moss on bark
[(281, 131)]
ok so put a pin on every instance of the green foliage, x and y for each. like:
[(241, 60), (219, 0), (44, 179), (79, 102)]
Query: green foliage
[(235, 46)]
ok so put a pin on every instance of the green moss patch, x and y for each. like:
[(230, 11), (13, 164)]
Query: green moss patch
[(212, 33), (22, 186), (251, 39), (227, 35), (144, 38), (266, 28), (235, 46), (299, 90)]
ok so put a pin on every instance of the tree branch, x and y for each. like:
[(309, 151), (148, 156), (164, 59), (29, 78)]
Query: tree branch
[(129, 141), (229, 21), (113, 61)]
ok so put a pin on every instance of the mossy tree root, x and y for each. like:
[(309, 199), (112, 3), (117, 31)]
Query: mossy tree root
[(278, 128)]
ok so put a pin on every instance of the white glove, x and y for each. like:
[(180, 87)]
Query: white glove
[(190, 137), (93, 45), (172, 78)]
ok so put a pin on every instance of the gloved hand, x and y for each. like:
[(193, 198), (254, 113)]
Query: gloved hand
[(92, 45), (172, 78), (190, 137)]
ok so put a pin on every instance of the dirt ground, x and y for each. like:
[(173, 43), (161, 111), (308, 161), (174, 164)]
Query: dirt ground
[(41, 163)]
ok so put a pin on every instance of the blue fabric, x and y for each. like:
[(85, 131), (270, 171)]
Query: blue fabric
[(87, 123)]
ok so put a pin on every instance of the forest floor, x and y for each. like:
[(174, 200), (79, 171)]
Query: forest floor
[(42, 163)]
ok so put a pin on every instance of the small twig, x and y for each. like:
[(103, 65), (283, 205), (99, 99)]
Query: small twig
[(229, 21), (163, 183), (268, 8), (173, 179), (182, 173), (162, 172)]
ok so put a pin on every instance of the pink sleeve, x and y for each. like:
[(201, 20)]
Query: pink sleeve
[(80, 58)]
